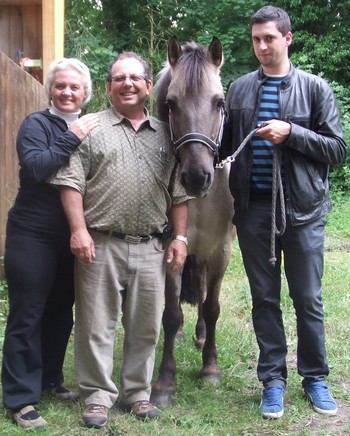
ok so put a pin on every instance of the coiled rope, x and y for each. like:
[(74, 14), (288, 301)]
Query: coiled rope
[(277, 187)]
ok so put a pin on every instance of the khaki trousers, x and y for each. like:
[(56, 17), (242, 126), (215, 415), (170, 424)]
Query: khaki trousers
[(124, 279)]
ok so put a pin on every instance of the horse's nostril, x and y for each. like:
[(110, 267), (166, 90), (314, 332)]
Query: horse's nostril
[(196, 184)]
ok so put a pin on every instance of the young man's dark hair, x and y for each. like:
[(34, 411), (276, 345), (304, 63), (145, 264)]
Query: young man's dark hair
[(272, 13)]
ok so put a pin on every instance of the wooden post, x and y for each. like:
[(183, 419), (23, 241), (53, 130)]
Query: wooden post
[(53, 31)]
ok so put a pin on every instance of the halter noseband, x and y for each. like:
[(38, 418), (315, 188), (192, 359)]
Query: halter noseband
[(198, 137)]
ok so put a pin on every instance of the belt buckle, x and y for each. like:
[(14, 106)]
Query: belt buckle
[(133, 239)]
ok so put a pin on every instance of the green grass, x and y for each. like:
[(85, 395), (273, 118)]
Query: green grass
[(232, 407)]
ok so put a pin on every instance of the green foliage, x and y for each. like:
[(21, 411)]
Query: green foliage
[(230, 22), (320, 31), (85, 39), (338, 223), (340, 175), (3, 306)]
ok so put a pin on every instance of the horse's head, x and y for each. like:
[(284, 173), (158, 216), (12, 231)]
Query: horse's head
[(191, 98)]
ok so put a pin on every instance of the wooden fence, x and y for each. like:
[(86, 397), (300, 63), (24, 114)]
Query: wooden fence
[(20, 95)]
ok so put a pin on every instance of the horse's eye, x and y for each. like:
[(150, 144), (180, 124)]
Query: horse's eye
[(170, 103), (220, 103)]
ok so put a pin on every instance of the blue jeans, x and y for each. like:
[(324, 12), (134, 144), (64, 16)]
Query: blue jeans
[(303, 250)]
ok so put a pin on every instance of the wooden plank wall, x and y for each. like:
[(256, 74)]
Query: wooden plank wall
[(20, 95), (21, 29)]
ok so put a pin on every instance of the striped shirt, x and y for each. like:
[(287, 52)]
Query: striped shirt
[(261, 176)]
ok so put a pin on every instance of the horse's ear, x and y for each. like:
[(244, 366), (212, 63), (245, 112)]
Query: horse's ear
[(216, 51), (174, 50)]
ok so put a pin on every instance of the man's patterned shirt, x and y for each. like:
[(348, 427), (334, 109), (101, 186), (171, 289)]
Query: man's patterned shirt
[(128, 179)]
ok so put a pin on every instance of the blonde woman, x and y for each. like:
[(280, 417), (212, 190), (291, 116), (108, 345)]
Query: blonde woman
[(38, 262)]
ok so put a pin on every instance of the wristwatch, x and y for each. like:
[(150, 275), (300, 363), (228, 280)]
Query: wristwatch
[(181, 238)]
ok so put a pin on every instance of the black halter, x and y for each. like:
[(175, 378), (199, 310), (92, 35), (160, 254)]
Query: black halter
[(198, 137)]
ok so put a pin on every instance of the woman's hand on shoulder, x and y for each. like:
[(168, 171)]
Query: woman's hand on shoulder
[(83, 125)]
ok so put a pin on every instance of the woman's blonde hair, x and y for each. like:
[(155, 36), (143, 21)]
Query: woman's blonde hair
[(67, 64)]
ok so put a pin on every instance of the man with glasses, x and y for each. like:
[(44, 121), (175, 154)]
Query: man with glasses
[(119, 192)]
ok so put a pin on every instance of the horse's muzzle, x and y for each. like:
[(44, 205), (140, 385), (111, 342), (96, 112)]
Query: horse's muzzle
[(198, 183)]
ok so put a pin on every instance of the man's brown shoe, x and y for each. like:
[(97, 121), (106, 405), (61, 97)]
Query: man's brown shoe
[(95, 415), (142, 409)]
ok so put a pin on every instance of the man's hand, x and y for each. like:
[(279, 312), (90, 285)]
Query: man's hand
[(176, 254), (82, 246), (275, 131)]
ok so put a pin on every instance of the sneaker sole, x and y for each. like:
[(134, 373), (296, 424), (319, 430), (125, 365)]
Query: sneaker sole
[(272, 415), (325, 411)]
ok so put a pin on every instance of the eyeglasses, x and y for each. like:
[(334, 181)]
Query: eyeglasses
[(133, 77)]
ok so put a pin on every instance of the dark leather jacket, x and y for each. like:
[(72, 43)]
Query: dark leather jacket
[(315, 141)]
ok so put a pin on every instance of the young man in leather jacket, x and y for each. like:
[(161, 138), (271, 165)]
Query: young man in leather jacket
[(297, 116)]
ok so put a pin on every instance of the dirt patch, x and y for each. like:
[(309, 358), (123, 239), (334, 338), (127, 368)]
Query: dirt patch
[(321, 425), (342, 246)]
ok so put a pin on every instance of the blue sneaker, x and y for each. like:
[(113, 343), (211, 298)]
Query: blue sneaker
[(272, 402), (320, 398)]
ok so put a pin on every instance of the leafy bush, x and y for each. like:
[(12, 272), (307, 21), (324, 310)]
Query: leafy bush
[(3, 307), (340, 175)]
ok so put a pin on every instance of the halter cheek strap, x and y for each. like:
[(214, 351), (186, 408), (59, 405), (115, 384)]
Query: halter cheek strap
[(198, 137)]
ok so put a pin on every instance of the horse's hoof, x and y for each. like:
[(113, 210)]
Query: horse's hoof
[(162, 399), (212, 379)]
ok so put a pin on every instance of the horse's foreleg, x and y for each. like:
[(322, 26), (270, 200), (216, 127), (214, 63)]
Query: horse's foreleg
[(164, 388), (208, 285), (211, 312)]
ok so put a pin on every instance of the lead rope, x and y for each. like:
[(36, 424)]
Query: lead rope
[(277, 186), (232, 158)]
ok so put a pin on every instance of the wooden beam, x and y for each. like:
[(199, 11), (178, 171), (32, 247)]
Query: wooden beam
[(53, 31), (20, 2)]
